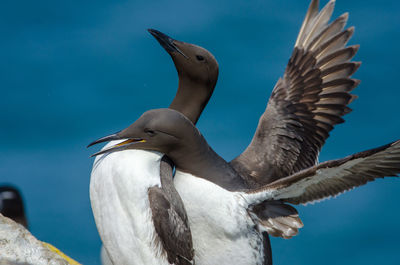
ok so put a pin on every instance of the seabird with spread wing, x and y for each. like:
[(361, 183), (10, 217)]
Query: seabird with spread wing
[(139, 215), (224, 222), (230, 205)]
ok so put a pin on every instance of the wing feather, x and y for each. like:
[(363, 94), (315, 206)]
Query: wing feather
[(311, 14), (333, 177), (170, 218), (306, 103)]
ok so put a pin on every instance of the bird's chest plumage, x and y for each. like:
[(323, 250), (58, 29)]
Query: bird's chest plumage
[(118, 193), (222, 231)]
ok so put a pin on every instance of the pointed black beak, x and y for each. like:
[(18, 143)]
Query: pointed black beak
[(107, 138), (166, 42), (118, 147)]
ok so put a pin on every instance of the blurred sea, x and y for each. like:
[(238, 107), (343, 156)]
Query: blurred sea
[(72, 71)]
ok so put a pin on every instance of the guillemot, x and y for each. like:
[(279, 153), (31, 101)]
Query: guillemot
[(12, 204), (306, 103), (140, 216), (224, 223)]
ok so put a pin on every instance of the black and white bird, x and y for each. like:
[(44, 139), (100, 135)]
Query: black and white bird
[(224, 221), (12, 204), (230, 205), (139, 215)]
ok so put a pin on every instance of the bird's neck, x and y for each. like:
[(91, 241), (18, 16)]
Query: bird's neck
[(200, 160), (191, 97)]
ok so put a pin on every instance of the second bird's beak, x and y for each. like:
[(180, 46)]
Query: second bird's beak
[(166, 42), (117, 147)]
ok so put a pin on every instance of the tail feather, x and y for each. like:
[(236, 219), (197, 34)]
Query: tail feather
[(278, 219)]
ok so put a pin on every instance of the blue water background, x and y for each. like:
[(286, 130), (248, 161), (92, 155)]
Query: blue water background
[(72, 71)]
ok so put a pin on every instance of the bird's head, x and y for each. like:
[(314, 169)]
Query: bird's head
[(12, 205), (163, 130), (191, 61)]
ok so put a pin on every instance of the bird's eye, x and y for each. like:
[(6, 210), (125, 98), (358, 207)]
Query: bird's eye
[(149, 132), (200, 58)]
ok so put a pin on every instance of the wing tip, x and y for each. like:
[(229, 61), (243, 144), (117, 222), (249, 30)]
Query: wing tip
[(355, 48), (314, 6), (331, 2), (357, 65), (353, 97), (312, 11), (344, 16), (356, 82), (351, 30)]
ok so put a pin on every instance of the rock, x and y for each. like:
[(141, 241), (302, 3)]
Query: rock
[(19, 247)]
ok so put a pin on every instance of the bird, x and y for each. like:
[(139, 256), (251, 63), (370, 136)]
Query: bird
[(305, 105), (139, 215), (224, 222), (12, 204)]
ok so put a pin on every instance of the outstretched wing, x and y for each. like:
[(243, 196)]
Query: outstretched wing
[(170, 219), (333, 177), (306, 103)]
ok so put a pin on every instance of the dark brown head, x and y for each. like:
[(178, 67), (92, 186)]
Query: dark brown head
[(198, 74), (164, 130), (12, 205), (191, 61), (170, 132)]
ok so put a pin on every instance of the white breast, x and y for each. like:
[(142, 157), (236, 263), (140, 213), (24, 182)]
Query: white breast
[(118, 194), (222, 231)]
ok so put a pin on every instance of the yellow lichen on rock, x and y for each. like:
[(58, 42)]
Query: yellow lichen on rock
[(61, 254), (19, 246)]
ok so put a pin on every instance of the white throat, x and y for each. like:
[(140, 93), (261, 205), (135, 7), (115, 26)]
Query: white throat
[(118, 194)]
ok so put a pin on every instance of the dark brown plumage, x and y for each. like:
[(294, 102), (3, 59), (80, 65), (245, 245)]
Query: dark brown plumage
[(197, 79), (337, 176), (170, 219), (12, 204), (279, 219), (306, 103), (194, 90), (279, 164), (195, 159)]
